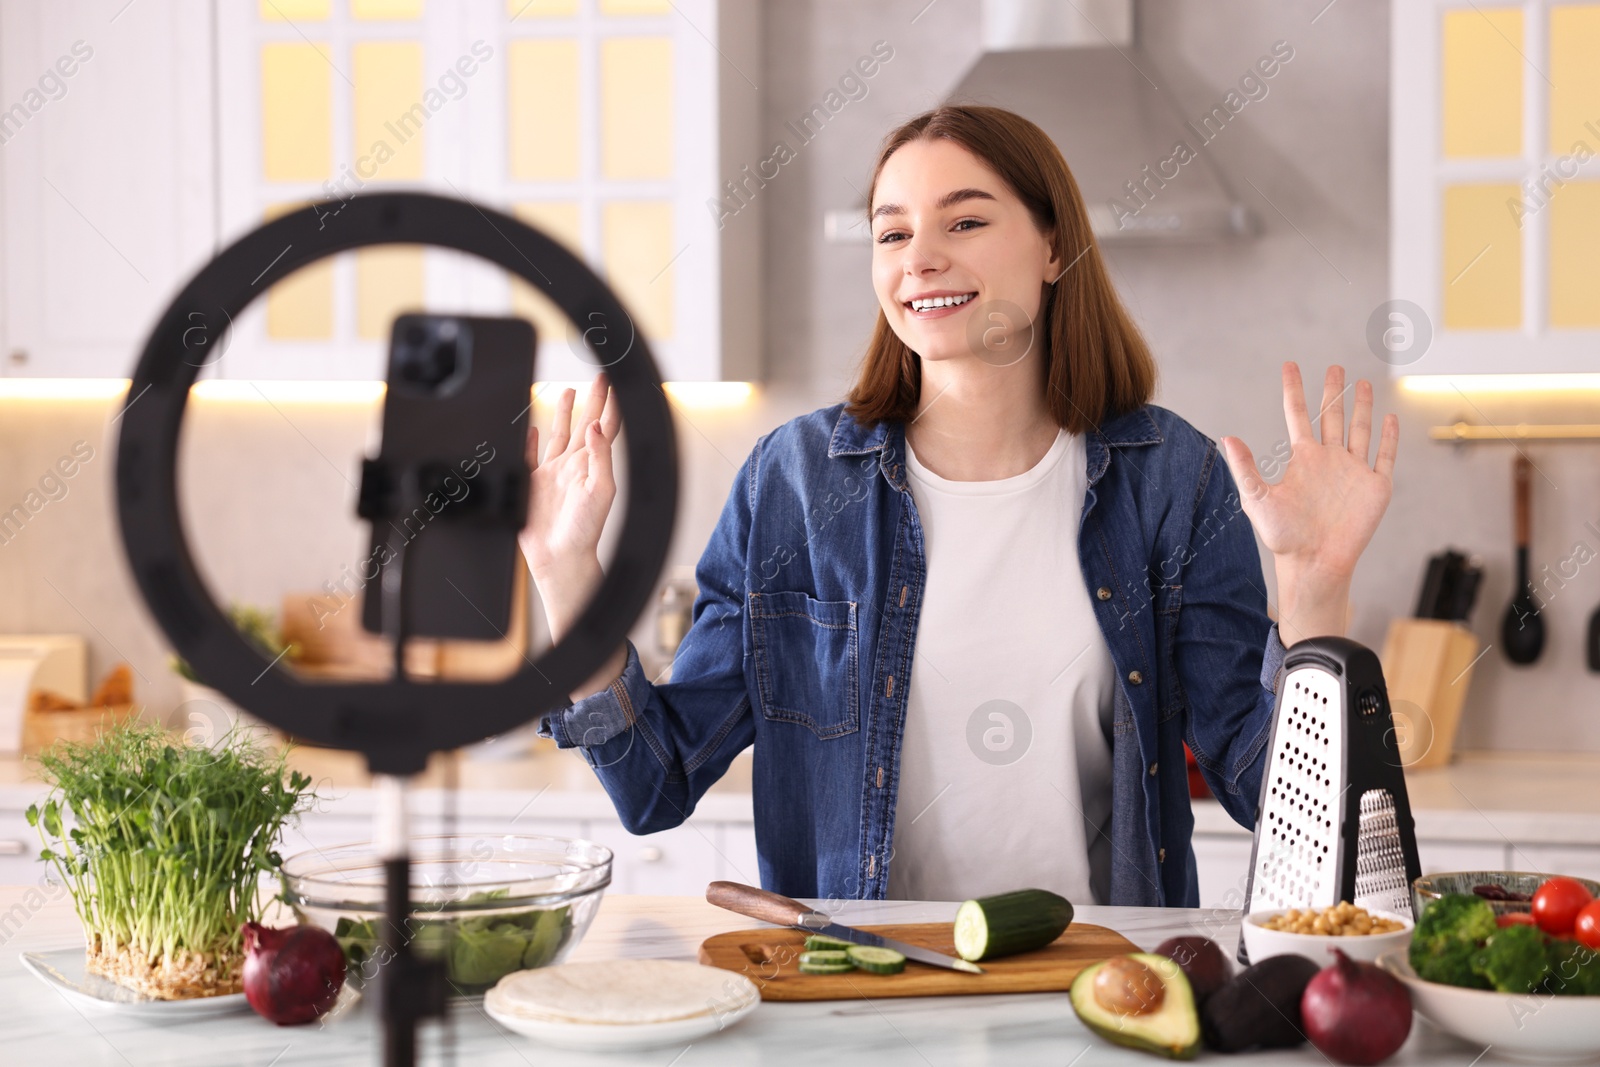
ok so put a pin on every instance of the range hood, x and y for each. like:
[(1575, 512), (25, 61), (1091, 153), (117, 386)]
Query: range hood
[(1077, 71)]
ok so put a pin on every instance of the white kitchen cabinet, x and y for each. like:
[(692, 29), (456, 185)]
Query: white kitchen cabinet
[(738, 853), (1575, 860), (677, 861), (106, 177), (1438, 857), (19, 851), (1494, 188), (1222, 862), (614, 127)]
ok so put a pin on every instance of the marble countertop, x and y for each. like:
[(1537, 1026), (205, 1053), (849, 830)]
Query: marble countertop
[(40, 1027), (1529, 797)]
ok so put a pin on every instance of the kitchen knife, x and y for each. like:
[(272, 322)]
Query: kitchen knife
[(775, 908)]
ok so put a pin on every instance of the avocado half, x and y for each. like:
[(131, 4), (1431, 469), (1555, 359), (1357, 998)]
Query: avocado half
[(1172, 1030)]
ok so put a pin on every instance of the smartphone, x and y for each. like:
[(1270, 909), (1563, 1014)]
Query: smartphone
[(450, 482)]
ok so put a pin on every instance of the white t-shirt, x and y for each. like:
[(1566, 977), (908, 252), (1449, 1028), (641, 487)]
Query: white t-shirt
[(1005, 773)]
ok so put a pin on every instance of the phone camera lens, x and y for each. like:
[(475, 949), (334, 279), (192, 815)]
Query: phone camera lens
[(427, 358)]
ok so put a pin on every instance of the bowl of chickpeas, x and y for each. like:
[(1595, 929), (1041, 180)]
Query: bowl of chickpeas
[(1312, 932)]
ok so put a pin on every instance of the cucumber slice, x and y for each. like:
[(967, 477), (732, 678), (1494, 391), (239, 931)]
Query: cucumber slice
[(1003, 925), (825, 957), (823, 942), (876, 960), (825, 961)]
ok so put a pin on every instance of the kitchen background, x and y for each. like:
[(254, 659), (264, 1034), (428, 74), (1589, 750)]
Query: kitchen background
[(268, 488)]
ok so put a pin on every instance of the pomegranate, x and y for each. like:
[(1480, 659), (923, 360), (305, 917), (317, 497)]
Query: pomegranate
[(292, 974), (1356, 1013)]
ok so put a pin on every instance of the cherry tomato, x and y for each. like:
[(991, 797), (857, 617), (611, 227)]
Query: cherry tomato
[(1587, 927), (1514, 918), (1556, 904)]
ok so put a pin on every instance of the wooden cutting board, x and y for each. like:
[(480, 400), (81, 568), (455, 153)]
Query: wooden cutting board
[(770, 958)]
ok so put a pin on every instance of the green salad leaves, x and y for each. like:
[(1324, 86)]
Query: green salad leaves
[(478, 950)]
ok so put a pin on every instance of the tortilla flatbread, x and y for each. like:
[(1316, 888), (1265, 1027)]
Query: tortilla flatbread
[(620, 992)]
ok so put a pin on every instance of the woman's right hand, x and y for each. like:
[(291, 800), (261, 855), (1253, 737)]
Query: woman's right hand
[(572, 487)]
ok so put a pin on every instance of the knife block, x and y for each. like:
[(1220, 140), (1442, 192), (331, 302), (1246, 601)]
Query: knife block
[(1427, 665)]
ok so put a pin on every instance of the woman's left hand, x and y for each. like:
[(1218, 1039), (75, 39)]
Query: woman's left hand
[(1320, 516)]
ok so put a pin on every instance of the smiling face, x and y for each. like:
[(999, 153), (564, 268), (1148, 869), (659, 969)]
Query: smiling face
[(947, 228)]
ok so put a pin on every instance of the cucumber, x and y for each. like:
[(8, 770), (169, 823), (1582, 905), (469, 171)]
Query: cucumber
[(824, 957), (1003, 925), (825, 961), (876, 960), (823, 942)]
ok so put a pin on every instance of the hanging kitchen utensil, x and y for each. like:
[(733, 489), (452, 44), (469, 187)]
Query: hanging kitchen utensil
[(1592, 642), (1334, 822), (1522, 629)]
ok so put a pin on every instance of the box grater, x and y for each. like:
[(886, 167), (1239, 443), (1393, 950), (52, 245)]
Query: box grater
[(1334, 822)]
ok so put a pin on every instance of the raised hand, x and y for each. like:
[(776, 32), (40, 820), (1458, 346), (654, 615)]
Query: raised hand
[(572, 487), (1321, 515)]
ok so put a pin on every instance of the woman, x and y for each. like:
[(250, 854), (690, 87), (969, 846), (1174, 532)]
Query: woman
[(969, 618)]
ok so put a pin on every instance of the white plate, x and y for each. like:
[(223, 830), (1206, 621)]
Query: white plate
[(63, 970), (1536, 1028), (596, 1037)]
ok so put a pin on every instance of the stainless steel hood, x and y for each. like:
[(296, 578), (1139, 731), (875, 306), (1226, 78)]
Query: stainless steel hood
[(1075, 69)]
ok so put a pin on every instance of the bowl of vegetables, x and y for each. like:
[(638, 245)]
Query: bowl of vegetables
[(486, 906), (1508, 892), (1526, 982)]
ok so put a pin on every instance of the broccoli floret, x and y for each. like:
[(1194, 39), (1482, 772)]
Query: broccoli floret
[(1574, 969), (1450, 965), (1514, 960), (1454, 917), (1448, 935)]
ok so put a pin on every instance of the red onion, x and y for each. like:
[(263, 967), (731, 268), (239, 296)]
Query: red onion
[(1356, 1013), (291, 975)]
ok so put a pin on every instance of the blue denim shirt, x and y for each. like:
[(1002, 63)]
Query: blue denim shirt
[(802, 638)]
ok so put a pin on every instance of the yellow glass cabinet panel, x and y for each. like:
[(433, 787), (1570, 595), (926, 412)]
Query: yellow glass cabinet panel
[(390, 119), (294, 10), (1482, 272), (1575, 255), (1482, 62), (542, 110), (1574, 78), (636, 95), (296, 112)]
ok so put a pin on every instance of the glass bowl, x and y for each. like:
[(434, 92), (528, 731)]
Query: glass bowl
[(1430, 887), (486, 905)]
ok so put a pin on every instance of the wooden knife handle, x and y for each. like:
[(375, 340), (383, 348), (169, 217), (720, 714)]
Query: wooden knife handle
[(1522, 482), (756, 903)]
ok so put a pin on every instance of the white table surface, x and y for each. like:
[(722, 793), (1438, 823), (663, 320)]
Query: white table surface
[(38, 1026)]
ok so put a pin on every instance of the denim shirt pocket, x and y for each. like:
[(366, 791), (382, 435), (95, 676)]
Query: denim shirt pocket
[(805, 661)]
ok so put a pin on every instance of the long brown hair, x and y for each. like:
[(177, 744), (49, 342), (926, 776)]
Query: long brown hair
[(1097, 364)]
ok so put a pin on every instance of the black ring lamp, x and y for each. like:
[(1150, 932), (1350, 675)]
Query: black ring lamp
[(396, 723)]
